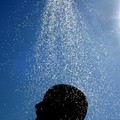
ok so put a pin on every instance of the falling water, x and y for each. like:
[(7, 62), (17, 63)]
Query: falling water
[(65, 52), (59, 49)]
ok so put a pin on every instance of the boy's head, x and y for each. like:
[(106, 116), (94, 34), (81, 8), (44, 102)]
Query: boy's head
[(62, 102)]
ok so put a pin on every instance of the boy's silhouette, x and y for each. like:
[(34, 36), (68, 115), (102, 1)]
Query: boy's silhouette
[(62, 102)]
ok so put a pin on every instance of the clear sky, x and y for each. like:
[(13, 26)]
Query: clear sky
[(22, 84)]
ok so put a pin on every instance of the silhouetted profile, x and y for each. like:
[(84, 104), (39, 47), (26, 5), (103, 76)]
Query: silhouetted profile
[(62, 102)]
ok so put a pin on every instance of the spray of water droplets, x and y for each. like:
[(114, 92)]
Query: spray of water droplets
[(66, 53)]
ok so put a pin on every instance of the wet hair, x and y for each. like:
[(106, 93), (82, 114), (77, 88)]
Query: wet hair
[(62, 102)]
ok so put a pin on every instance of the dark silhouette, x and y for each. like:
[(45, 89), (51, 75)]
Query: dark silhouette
[(62, 102)]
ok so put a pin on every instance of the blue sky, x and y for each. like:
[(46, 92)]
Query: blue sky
[(19, 25)]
